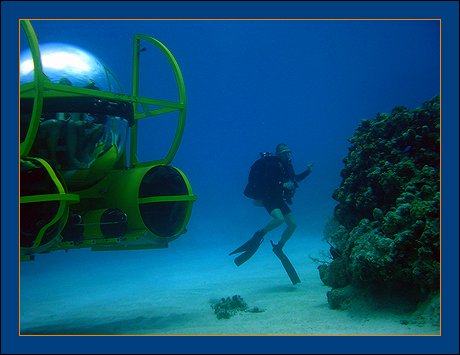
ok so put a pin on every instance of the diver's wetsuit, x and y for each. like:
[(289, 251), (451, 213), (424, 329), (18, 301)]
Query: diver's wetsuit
[(279, 172)]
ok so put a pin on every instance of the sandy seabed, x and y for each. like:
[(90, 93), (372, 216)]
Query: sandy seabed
[(170, 291)]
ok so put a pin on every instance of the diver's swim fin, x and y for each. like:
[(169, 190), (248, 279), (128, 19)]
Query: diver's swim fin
[(286, 263), (249, 248)]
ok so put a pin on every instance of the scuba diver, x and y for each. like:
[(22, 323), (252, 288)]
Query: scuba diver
[(272, 183)]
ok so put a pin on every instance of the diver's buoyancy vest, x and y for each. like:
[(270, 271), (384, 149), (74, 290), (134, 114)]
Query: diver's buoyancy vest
[(266, 178)]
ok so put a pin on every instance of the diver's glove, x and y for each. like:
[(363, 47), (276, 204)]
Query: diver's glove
[(310, 166)]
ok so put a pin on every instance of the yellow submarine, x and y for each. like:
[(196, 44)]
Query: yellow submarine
[(82, 184)]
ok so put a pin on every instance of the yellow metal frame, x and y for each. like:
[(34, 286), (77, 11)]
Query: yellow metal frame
[(36, 88), (63, 198), (165, 106)]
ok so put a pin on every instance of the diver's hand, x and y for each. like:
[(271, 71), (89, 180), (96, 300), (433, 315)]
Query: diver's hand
[(289, 186), (310, 166)]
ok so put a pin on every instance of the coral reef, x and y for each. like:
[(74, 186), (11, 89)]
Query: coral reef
[(229, 306), (385, 230)]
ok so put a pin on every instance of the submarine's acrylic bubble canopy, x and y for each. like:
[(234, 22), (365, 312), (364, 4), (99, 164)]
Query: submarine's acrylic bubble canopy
[(60, 60)]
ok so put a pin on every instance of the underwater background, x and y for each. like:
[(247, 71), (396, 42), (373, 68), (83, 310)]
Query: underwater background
[(253, 84), (250, 85)]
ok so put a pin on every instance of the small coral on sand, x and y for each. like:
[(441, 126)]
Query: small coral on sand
[(229, 306)]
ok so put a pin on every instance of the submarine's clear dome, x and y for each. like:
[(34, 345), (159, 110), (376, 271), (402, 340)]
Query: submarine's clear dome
[(60, 60)]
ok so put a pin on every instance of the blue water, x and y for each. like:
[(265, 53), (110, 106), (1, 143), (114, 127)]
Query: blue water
[(253, 84), (250, 85)]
